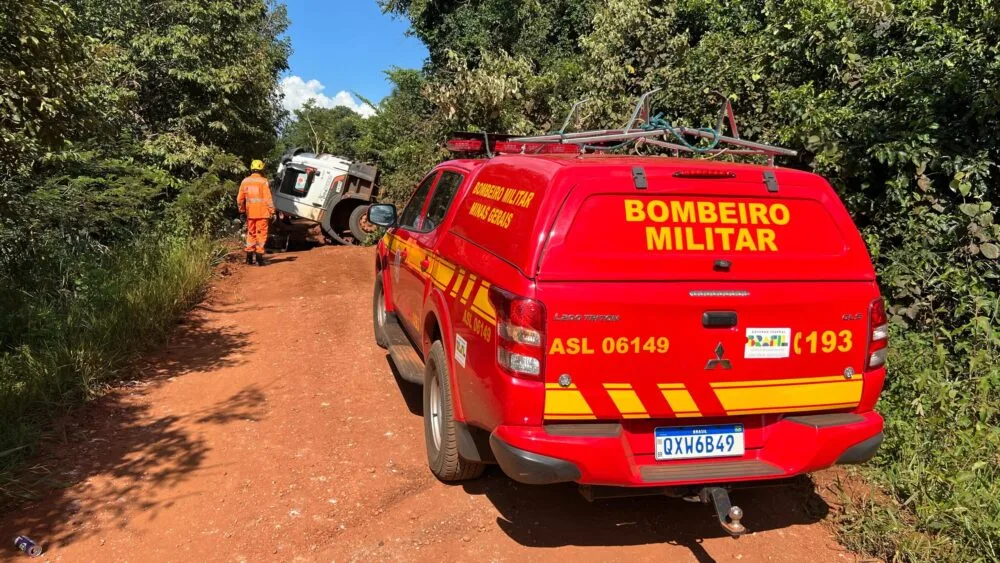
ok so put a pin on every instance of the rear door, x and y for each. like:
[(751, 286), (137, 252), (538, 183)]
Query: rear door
[(703, 298)]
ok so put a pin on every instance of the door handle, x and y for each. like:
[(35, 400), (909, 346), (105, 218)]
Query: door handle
[(424, 264), (718, 319)]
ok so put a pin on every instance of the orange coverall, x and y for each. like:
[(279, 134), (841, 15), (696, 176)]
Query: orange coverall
[(255, 201)]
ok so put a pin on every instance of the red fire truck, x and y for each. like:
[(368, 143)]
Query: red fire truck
[(634, 324)]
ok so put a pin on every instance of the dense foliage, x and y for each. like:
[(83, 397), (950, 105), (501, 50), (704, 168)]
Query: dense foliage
[(124, 126), (896, 102)]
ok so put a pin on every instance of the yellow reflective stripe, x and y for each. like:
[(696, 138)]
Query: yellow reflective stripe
[(468, 288), (566, 403), (680, 402), (481, 304), (626, 400), (795, 409), (814, 394), (800, 380)]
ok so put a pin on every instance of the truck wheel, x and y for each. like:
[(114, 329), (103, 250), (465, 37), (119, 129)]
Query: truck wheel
[(359, 225), (439, 423), (379, 314)]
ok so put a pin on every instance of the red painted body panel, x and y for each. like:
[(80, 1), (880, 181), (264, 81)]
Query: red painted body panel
[(625, 305)]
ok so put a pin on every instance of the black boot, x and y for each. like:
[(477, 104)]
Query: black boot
[(260, 260), (249, 258)]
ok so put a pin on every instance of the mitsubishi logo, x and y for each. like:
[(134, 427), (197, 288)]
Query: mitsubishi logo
[(719, 360)]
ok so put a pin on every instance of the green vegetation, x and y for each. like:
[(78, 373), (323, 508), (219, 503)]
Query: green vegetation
[(896, 102), (124, 127)]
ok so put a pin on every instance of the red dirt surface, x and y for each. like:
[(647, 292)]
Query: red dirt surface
[(271, 428)]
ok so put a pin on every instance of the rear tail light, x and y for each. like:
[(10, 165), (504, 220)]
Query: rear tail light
[(563, 148), (512, 147), (878, 326), (465, 145), (520, 333)]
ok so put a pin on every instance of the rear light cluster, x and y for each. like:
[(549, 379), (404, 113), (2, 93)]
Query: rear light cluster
[(536, 148), (878, 343), (465, 145), (520, 333), (478, 146)]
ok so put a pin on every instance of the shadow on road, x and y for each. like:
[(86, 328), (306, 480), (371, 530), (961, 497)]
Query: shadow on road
[(120, 454), (272, 260), (196, 346), (249, 404), (557, 515), (297, 235)]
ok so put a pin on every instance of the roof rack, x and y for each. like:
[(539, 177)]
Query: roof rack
[(641, 128)]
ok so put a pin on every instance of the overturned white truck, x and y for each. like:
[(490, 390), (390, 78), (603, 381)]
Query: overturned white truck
[(329, 190)]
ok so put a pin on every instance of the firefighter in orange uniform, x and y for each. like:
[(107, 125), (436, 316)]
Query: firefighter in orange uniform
[(255, 202)]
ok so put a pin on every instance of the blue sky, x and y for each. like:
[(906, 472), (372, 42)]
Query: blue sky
[(343, 46)]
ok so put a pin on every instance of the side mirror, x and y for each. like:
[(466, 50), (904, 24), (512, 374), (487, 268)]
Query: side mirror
[(382, 214)]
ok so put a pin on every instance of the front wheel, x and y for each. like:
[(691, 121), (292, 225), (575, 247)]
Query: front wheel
[(359, 225), (439, 423), (379, 314)]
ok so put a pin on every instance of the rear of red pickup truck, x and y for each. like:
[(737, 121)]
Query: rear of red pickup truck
[(705, 329)]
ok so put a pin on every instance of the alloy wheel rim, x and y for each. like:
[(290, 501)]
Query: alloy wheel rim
[(435, 414), (380, 307)]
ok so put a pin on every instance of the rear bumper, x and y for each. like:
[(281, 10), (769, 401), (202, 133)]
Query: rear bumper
[(789, 446)]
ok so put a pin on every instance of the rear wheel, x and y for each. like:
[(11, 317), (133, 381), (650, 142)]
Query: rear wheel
[(359, 225), (379, 314), (439, 423)]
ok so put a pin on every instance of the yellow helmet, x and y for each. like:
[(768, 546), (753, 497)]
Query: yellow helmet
[(257, 166)]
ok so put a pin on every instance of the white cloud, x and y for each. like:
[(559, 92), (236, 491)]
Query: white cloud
[(297, 92)]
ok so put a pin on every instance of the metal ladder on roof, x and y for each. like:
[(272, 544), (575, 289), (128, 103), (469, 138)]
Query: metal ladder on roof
[(644, 128)]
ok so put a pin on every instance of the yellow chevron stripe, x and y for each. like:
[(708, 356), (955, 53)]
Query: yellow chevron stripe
[(565, 403), (680, 401), (458, 283), (468, 288), (626, 400)]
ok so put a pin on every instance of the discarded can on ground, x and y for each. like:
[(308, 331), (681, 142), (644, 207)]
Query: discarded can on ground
[(25, 544)]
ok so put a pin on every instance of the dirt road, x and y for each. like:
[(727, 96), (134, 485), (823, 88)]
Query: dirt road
[(271, 428)]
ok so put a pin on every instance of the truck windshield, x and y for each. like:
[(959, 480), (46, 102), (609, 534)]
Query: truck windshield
[(297, 182)]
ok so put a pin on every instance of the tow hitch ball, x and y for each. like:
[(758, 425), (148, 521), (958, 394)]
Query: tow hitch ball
[(729, 514)]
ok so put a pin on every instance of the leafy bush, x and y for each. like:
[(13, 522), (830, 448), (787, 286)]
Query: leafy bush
[(125, 126), (63, 342)]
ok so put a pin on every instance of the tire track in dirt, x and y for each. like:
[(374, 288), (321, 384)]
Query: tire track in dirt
[(271, 428)]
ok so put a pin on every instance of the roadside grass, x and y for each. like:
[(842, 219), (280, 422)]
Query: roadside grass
[(936, 482), (75, 338)]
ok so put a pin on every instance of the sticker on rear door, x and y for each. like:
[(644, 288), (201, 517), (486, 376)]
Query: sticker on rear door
[(767, 343), (461, 349)]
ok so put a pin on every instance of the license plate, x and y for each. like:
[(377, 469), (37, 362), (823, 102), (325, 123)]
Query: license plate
[(694, 442)]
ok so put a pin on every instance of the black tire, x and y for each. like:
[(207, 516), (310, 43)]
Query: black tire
[(442, 452), (357, 223), (379, 314)]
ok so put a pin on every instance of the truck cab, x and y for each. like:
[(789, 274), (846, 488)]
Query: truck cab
[(329, 190)]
